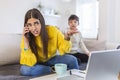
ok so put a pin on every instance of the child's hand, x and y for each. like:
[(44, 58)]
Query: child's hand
[(71, 32), (89, 53)]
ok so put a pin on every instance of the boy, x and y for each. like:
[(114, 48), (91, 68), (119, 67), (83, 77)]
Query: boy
[(78, 49)]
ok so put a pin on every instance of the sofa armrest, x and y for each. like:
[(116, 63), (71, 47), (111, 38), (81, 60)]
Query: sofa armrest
[(110, 45)]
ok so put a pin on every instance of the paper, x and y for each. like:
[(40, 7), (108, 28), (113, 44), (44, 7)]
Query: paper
[(79, 73)]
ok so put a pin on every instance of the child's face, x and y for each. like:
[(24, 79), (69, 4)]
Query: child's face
[(73, 24), (34, 26)]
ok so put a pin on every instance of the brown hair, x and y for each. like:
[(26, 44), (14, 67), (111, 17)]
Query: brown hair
[(73, 17), (34, 13)]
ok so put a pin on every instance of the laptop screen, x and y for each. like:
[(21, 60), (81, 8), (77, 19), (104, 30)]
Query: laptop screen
[(103, 65)]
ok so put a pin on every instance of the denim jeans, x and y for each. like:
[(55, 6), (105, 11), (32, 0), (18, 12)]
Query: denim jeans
[(42, 69)]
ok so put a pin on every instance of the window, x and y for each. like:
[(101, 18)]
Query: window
[(88, 11)]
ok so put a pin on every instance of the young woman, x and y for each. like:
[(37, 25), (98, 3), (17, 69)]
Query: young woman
[(78, 49), (39, 45)]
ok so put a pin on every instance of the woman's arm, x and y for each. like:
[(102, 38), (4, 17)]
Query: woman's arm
[(64, 43), (27, 57)]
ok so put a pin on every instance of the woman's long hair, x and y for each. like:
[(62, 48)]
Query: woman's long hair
[(34, 13)]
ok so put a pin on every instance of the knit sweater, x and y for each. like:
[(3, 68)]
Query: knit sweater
[(56, 42)]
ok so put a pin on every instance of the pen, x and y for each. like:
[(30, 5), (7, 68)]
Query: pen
[(70, 72), (82, 72)]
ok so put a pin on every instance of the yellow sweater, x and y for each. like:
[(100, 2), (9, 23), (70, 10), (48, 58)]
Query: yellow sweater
[(56, 42)]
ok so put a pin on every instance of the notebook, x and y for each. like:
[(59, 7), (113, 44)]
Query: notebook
[(102, 65)]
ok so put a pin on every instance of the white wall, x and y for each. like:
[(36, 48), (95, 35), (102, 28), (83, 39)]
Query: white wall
[(12, 16), (64, 9), (117, 21), (102, 20), (109, 20), (12, 13)]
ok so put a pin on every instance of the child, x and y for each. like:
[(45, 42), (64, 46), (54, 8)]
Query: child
[(78, 46)]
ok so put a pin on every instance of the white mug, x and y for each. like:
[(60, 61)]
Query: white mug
[(60, 68)]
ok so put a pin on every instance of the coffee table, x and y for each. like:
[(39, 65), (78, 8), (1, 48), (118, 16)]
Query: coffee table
[(53, 76)]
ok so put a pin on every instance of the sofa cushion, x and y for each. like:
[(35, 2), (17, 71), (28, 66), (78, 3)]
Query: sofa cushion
[(95, 45), (9, 48)]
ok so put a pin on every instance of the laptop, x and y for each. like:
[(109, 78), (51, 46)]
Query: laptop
[(102, 65)]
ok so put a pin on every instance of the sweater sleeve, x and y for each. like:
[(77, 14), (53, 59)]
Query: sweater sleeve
[(27, 57), (64, 46)]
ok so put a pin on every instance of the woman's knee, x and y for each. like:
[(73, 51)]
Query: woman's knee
[(72, 62), (35, 70), (72, 59), (40, 70), (25, 70)]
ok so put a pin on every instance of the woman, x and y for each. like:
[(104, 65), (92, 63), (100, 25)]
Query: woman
[(39, 45)]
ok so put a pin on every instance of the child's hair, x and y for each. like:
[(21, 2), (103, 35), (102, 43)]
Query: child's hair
[(73, 17)]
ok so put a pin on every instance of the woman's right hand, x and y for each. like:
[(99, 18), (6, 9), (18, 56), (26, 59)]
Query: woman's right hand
[(25, 30)]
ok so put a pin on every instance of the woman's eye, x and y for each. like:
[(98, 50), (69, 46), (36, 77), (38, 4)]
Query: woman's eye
[(36, 23), (28, 25)]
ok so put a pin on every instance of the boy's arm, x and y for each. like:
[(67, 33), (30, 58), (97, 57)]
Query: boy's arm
[(82, 46)]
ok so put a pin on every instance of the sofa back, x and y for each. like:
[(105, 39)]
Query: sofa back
[(9, 48), (95, 45)]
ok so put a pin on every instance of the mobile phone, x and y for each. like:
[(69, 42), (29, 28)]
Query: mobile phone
[(27, 34)]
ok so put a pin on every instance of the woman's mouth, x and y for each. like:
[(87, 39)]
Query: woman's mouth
[(35, 32)]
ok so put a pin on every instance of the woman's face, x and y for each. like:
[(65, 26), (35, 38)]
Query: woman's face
[(34, 26), (73, 24)]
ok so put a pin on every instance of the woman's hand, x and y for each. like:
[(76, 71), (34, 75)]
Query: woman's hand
[(25, 31)]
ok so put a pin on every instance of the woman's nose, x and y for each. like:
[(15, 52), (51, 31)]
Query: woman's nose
[(33, 27)]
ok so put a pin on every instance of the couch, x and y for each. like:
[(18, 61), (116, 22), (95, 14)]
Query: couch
[(10, 55)]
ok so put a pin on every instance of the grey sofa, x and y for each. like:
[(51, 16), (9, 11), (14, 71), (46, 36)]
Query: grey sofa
[(9, 57)]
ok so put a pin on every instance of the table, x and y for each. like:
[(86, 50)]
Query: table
[(50, 76), (54, 77)]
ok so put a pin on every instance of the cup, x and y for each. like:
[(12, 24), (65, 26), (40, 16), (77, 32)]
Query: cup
[(60, 69)]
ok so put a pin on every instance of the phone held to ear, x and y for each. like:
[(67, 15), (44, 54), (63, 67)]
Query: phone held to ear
[(27, 34)]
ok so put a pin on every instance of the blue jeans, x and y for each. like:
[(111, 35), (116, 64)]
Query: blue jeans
[(42, 69)]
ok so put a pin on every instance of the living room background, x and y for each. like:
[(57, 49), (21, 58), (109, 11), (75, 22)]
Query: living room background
[(12, 16)]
